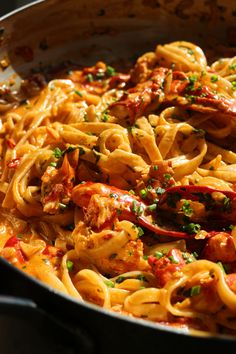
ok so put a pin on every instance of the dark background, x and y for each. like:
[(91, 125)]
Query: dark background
[(10, 5)]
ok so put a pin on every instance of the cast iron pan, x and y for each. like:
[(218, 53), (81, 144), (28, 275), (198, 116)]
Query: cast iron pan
[(33, 317)]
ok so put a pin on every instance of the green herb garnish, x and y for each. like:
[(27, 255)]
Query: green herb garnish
[(70, 265), (214, 78), (110, 71), (191, 228), (57, 152)]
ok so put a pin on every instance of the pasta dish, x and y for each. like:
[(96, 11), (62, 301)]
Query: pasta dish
[(118, 186)]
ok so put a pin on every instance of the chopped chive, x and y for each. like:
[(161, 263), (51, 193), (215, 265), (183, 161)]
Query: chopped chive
[(195, 290), (140, 231), (143, 193), (78, 93), (142, 277), (173, 260), (81, 151), (53, 164), (152, 207), (221, 266), (192, 228), (62, 206), (214, 78), (110, 71), (57, 152), (160, 190), (119, 211), (70, 227), (155, 167), (186, 209), (120, 279), (167, 176), (70, 265), (113, 195), (233, 66), (90, 77), (131, 191), (158, 254), (109, 283)]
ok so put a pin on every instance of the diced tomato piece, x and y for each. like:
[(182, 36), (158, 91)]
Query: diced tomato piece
[(231, 281), (53, 251), (11, 143), (15, 242), (164, 267), (13, 163)]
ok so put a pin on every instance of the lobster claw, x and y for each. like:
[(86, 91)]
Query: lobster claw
[(128, 207), (219, 205)]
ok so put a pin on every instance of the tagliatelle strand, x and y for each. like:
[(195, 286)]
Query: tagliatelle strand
[(119, 188)]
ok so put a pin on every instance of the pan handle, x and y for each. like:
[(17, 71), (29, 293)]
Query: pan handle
[(68, 339)]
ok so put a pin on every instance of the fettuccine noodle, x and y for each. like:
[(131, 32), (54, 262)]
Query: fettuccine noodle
[(119, 188)]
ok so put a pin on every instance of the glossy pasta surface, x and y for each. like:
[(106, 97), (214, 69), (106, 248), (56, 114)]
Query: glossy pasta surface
[(118, 187)]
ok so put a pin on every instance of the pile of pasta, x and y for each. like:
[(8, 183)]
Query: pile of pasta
[(118, 188)]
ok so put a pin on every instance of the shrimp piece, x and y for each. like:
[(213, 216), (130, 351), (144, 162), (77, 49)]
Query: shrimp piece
[(57, 185), (128, 258)]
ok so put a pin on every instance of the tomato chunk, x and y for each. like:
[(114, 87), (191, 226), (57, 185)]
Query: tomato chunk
[(164, 266)]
